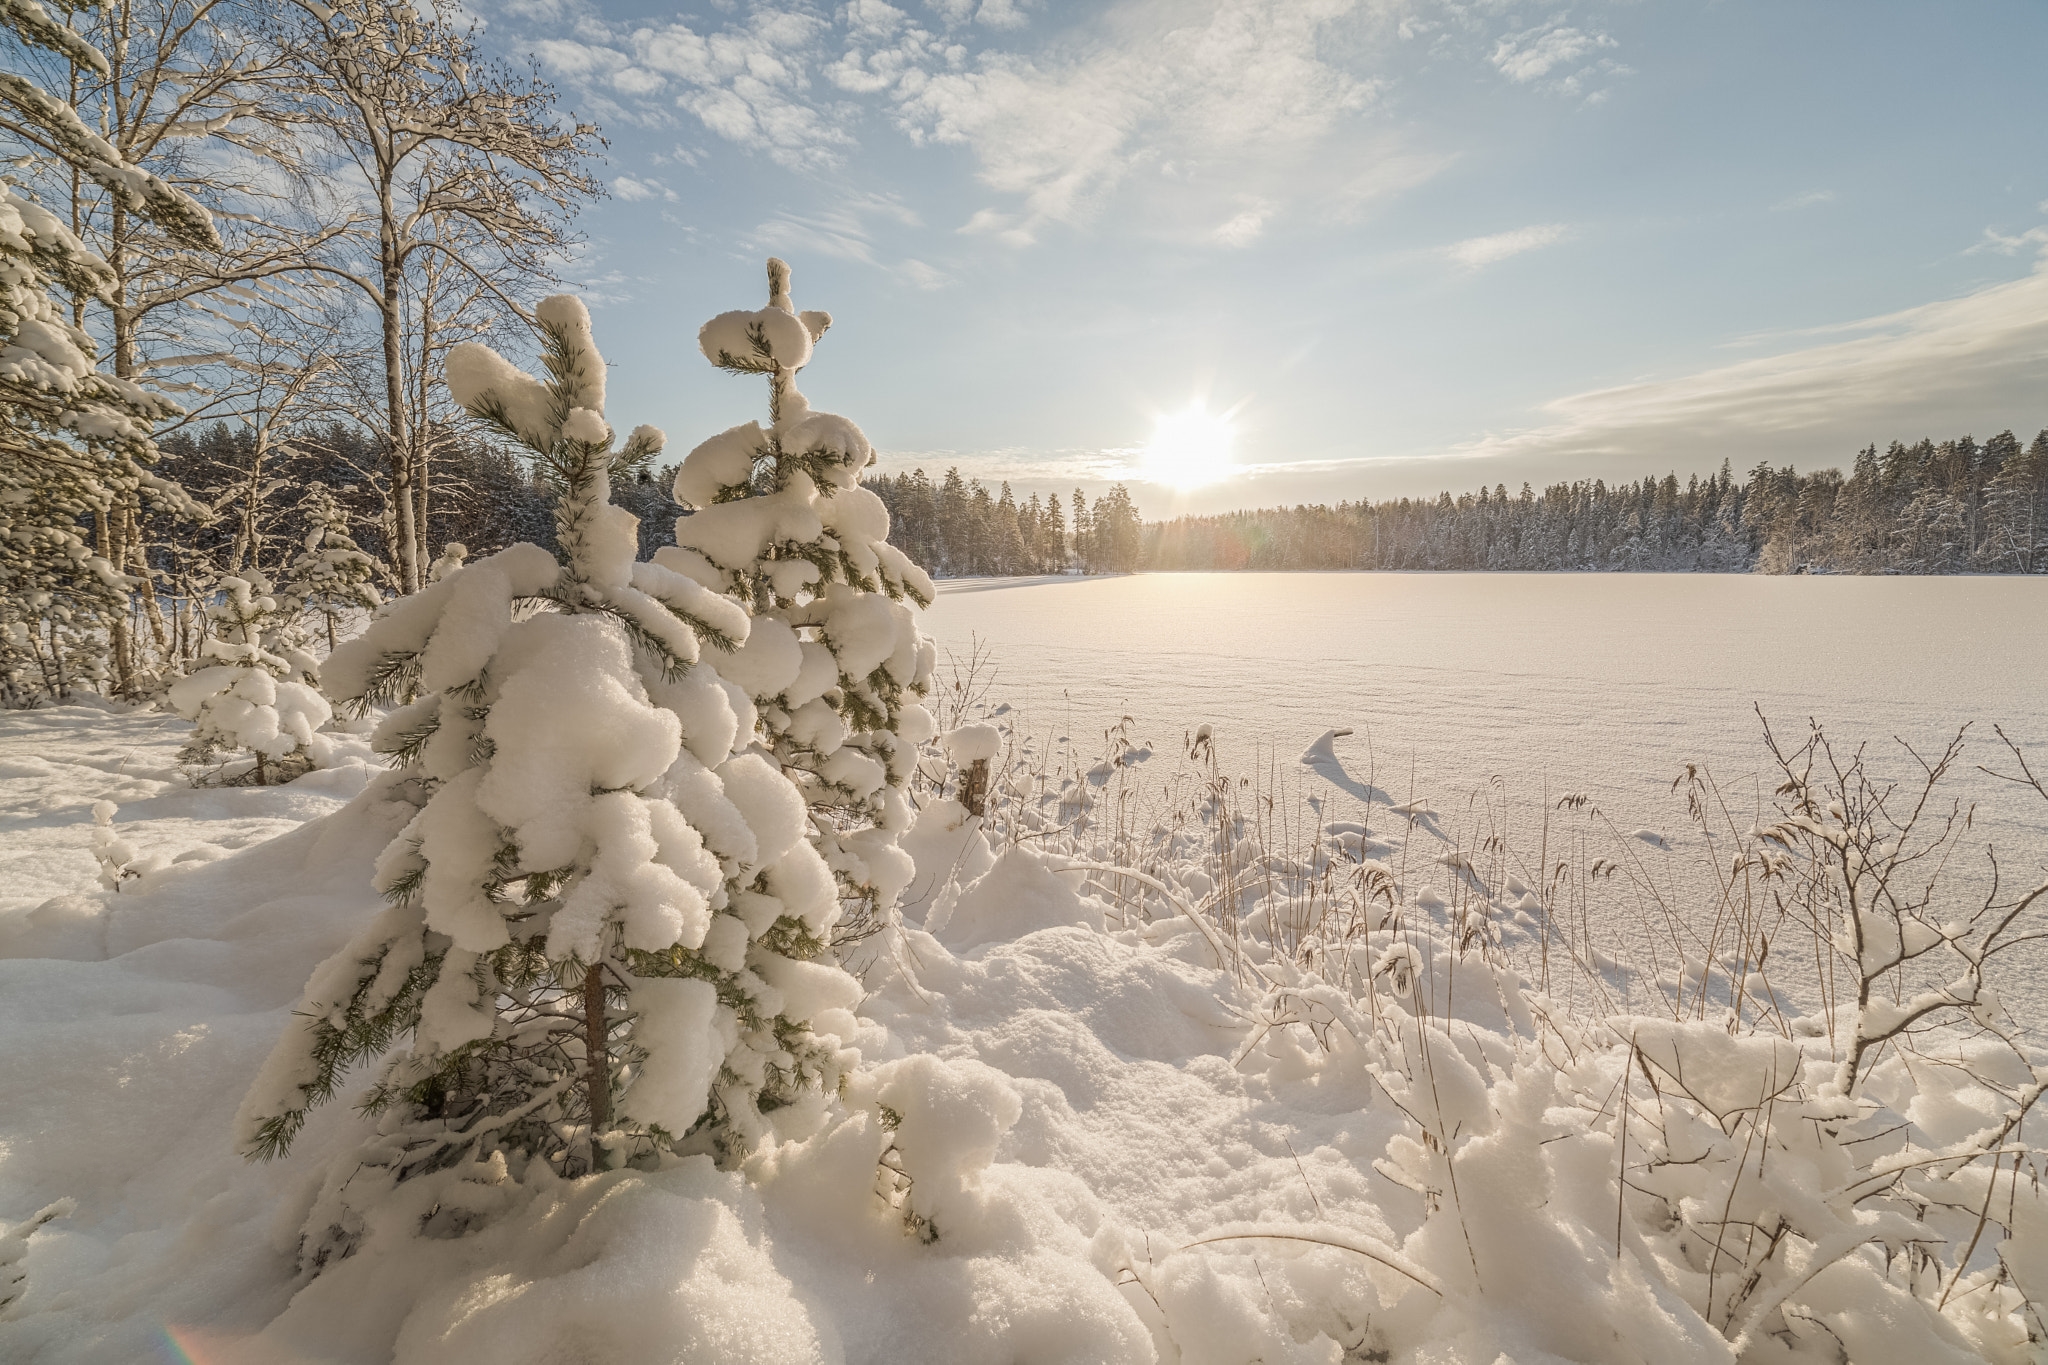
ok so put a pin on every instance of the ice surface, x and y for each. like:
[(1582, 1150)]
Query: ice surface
[(1530, 684)]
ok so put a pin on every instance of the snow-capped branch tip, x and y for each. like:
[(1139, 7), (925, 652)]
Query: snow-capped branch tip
[(34, 25), (644, 442), (764, 340)]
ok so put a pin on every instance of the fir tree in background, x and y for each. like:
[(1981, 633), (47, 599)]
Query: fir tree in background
[(256, 687), (332, 575), (75, 441), (602, 916), (835, 661)]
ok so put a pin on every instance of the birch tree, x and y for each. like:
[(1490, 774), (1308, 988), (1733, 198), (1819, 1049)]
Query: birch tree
[(460, 161), (180, 94)]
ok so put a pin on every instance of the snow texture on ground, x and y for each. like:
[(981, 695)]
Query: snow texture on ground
[(1600, 683), (135, 1019), (1075, 1096)]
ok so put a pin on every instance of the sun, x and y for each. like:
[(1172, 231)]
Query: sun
[(1189, 449)]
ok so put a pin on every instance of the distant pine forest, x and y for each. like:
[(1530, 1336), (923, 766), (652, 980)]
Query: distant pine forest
[(1952, 507), (1955, 507)]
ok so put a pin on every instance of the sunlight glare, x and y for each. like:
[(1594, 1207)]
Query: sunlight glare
[(1189, 449)]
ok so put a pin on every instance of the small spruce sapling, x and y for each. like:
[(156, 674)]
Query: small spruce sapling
[(256, 689), (835, 662), (332, 574), (602, 916), (116, 856)]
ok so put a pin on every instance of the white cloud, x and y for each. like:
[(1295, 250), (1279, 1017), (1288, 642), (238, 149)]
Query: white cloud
[(1804, 201), (1525, 57), (1217, 101), (749, 82), (1962, 364), (1246, 228), (1234, 84), (922, 275), (634, 191), (993, 13), (1475, 253), (1530, 56), (1996, 241), (843, 232)]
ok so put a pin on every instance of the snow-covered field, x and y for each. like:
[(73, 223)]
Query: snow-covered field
[(1515, 686), (1138, 1131), (1597, 682)]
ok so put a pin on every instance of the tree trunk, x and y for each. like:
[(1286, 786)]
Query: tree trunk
[(139, 566), (597, 1079), (422, 437), (105, 529), (407, 548)]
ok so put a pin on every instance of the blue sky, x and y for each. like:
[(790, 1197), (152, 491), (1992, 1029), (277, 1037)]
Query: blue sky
[(1409, 245)]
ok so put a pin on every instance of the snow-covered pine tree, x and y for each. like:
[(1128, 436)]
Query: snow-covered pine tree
[(72, 440), (333, 574), (256, 687), (835, 662), (603, 916)]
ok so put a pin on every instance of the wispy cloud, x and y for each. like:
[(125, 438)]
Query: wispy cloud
[(634, 190), (994, 13), (1244, 228), (1155, 87), (1553, 55), (1476, 253), (1940, 367), (1809, 199), (846, 231), (1206, 101), (2001, 244)]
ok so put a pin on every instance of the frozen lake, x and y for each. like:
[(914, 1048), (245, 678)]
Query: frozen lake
[(1599, 683)]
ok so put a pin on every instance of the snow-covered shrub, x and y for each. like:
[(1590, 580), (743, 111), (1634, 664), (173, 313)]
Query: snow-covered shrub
[(1864, 856), (1708, 1188), (115, 855), (605, 916), (943, 1120), (835, 663), (256, 689), (332, 575)]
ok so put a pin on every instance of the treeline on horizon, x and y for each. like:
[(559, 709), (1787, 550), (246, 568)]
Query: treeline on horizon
[(1952, 507)]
